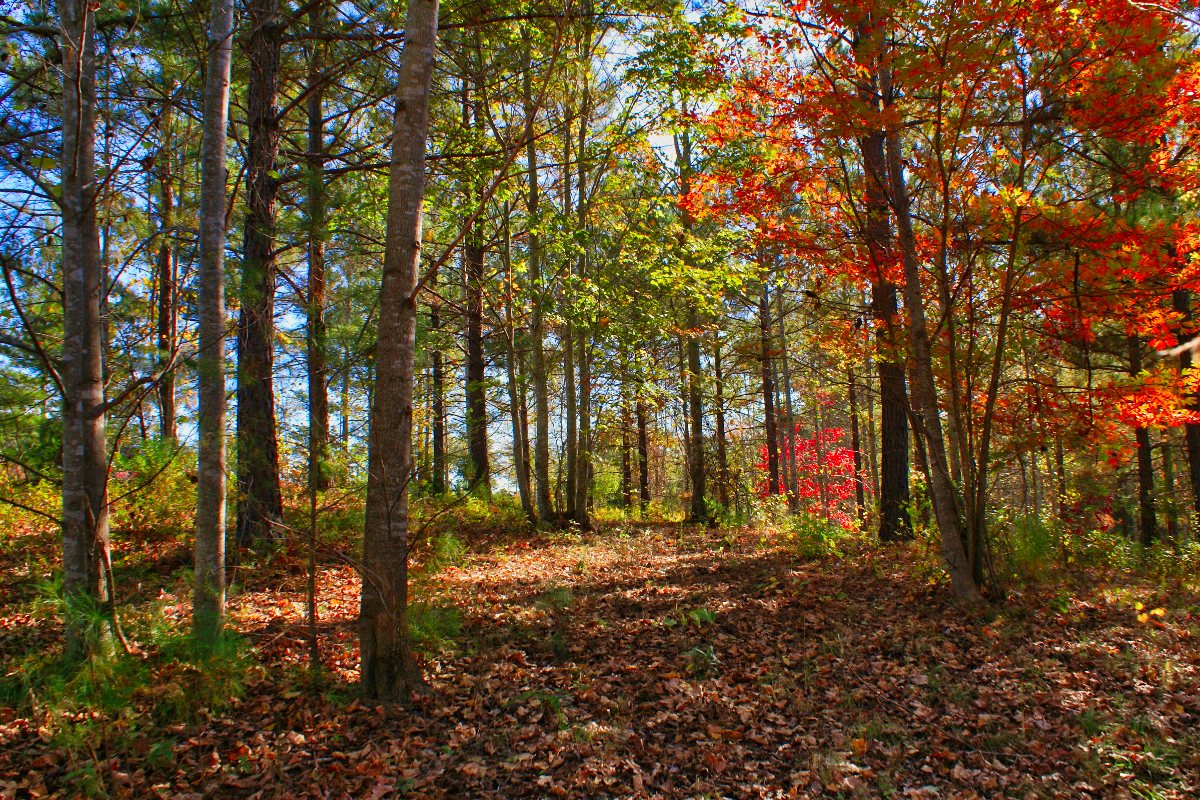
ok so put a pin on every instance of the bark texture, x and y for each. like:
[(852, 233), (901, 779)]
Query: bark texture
[(894, 499), (768, 391), (209, 598), (388, 665), (537, 336), (946, 504), (318, 236), (85, 462), (1147, 516), (259, 500), (165, 267)]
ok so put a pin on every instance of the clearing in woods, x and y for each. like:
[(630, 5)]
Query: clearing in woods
[(667, 662)]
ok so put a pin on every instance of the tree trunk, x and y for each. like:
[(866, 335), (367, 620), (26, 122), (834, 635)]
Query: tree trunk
[(567, 340), (260, 503), (583, 453), (643, 454), (526, 460), (571, 410), (479, 475), (895, 524), (318, 235), (389, 667), (541, 385), (520, 467), (894, 521), (437, 379), (946, 504), (784, 442), (1147, 518), (793, 482), (1171, 509), (860, 499), (167, 321), (698, 512), (516, 390), (1182, 300), (626, 453), (872, 439), (209, 598), (719, 408), (819, 451), (768, 391), (85, 461)]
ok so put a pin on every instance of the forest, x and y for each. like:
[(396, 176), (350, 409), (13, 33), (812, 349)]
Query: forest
[(600, 399)]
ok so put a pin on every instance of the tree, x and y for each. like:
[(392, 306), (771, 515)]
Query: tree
[(86, 554), (389, 667), (260, 502), (209, 599)]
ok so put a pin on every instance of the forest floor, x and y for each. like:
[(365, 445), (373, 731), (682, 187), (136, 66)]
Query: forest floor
[(666, 662)]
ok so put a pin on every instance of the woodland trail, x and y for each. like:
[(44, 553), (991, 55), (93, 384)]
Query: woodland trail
[(650, 663)]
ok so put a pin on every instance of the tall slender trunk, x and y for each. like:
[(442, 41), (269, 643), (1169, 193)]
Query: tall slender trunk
[(583, 452), (389, 668), (698, 512), (537, 337), (626, 454), (860, 499), (583, 479), (793, 483), (819, 450), (516, 390), (479, 477), (1035, 476), (719, 409), (1024, 482), (167, 316), (85, 462), (209, 599), (946, 504), (920, 461), (783, 440), (314, 328), (1147, 517), (1171, 509), (768, 391), (695, 406), (872, 439), (344, 399), (571, 411), (318, 235), (643, 454), (895, 524), (437, 391), (260, 502), (1182, 301), (1060, 471), (526, 457), (519, 443), (567, 340), (894, 521)]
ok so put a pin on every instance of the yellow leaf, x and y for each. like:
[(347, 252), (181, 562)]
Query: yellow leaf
[(1138, 606), (1143, 618)]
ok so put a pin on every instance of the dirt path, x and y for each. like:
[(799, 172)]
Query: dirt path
[(641, 665)]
